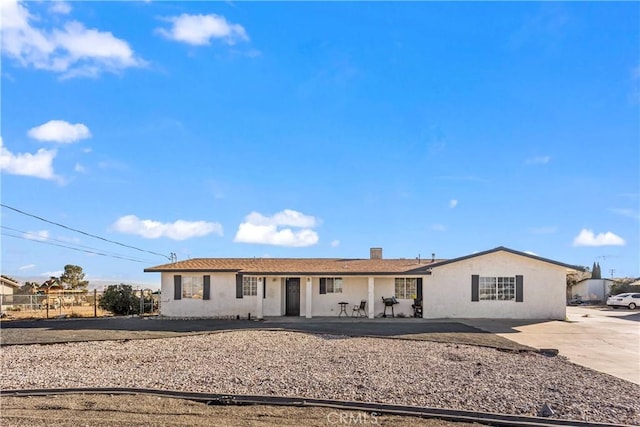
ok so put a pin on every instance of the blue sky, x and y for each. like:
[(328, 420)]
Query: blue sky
[(213, 129)]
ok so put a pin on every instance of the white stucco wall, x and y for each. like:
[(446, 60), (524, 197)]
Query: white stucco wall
[(592, 289), (354, 290), (6, 289), (223, 301), (447, 292)]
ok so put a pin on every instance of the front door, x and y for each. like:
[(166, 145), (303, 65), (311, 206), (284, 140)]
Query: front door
[(292, 302)]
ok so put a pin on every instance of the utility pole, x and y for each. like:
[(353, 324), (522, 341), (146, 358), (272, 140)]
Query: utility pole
[(612, 271)]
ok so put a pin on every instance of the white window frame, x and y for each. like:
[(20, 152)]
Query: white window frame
[(497, 288), (406, 287), (249, 286), (192, 287)]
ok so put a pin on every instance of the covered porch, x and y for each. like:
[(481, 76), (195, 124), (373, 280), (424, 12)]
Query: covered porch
[(323, 296)]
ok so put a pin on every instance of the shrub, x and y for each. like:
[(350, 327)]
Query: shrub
[(120, 299)]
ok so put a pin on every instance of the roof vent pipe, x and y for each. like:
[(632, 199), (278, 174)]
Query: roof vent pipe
[(375, 253)]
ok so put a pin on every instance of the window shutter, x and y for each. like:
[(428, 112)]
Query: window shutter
[(264, 287), (206, 287), (323, 285), (419, 289), (238, 285), (475, 287), (177, 287), (519, 283)]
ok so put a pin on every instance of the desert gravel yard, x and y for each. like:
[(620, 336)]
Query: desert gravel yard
[(332, 367)]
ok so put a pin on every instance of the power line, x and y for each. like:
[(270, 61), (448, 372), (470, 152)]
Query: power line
[(73, 249), (82, 232), (37, 238)]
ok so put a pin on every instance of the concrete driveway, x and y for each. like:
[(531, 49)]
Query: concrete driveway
[(602, 339)]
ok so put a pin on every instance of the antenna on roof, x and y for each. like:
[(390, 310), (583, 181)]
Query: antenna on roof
[(173, 257)]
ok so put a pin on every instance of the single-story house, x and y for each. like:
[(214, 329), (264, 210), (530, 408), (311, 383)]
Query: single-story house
[(592, 290), (498, 283), (7, 287)]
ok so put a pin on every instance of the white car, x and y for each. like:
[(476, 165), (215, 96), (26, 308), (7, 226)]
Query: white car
[(630, 300)]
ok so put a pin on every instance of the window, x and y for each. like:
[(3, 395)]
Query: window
[(249, 285), (192, 287), (406, 287), (497, 288), (331, 285)]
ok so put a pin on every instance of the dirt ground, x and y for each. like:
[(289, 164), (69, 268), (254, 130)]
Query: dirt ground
[(60, 312), (143, 410)]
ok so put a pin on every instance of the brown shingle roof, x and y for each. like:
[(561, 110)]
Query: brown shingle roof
[(334, 266)]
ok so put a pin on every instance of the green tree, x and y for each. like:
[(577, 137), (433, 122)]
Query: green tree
[(74, 277), (121, 299)]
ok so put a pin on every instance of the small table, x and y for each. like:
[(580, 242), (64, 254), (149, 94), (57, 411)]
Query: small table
[(343, 309)]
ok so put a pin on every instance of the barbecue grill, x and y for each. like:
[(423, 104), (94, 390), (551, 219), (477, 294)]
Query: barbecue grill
[(389, 302)]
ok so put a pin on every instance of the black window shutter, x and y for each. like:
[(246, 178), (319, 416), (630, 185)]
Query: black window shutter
[(323, 285), (519, 283), (419, 289), (177, 287), (238, 285), (475, 287), (264, 287), (206, 287)]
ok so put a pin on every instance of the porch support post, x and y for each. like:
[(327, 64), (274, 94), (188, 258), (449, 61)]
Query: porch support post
[(309, 299), (371, 298), (260, 299)]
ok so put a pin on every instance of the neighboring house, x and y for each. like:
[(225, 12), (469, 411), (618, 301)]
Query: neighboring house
[(7, 288), (498, 283), (592, 290)]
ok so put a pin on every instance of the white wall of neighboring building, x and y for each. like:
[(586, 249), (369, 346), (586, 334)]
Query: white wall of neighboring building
[(592, 289), (6, 289), (447, 292)]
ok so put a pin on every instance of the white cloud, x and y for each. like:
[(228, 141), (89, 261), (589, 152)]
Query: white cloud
[(178, 230), (258, 228), (79, 168), (71, 51), (38, 165), (199, 30), (588, 238), (438, 227), (538, 160), (286, 217), (335, 243), (60, 131), (40, 236), (26, 267), (453, 203), (48, 274), (61, 7)]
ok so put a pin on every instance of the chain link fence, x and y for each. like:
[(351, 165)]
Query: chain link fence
[(67, 304)]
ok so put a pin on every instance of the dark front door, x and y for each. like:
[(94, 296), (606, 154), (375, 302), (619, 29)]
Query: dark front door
[(293, 297)]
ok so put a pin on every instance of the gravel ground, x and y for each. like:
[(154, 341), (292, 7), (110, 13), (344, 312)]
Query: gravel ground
[(332, 367)]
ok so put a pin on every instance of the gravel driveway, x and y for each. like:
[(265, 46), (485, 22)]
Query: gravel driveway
[(334, 367)]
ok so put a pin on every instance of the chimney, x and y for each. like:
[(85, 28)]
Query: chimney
[(433, 257), (375, 253)]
